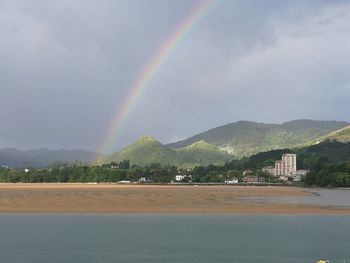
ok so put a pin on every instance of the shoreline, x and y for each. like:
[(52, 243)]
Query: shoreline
[(80, 198)]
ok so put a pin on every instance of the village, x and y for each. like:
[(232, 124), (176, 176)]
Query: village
[(284, 172)]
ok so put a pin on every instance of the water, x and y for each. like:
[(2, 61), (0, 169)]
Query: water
[(173, 238), (320, 196)]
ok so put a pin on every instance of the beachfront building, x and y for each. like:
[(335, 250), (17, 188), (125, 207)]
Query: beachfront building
[(253, 179), (289, 161), (183, 177), (278, 168), (143, 180), (233, 180), (286, 166), (179, 177)]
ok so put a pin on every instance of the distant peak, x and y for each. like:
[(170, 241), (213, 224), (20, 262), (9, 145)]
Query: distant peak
[(146, 138), (244, 122)]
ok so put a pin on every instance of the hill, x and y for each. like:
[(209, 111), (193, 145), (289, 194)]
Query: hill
[(245, 138), (42, 157), (341, 135), (312, 157), (308, 157), (144, 151), (147, 150), (202, 153)]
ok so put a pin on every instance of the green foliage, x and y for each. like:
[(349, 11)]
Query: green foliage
[(83, 174), (328, 162), (245, 138), (337, 174), (146, 151), (202, 153), (124, 164), (341, 135)]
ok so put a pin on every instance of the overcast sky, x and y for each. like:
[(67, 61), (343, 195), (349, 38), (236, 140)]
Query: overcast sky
[(66, 65)]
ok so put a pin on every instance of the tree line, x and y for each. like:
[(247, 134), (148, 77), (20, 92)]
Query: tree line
[(328, 162)]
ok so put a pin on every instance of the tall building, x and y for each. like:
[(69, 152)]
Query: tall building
[(289, 161), (286, 166), (278, 167)]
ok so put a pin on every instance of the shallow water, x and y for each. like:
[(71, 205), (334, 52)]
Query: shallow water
[(320, 196), (173, 238)]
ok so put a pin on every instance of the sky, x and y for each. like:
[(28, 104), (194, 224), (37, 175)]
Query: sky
[(66, 66)]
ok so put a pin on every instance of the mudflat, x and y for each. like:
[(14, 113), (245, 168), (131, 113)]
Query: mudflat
[(114, 198)]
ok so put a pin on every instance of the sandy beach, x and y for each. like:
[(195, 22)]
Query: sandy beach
[(109, 198)]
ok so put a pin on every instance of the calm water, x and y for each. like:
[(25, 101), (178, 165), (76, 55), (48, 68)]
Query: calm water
[(173, 238), (320, 196)]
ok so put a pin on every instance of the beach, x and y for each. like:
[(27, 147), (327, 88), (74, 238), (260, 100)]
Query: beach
[(115, 198)]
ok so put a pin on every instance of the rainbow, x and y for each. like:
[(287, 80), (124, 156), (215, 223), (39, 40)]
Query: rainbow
[(150, 71)]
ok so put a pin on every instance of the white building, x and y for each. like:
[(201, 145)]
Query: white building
[(286, 166), (289, 161), (143, 180), (278, 168), (232, 181), (180, 177)]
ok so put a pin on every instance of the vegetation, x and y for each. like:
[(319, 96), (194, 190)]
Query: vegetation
[(202, 153), (245, 138), (74, 173), (337, 174), (241, 139), (328, 162), (341, 135), (146, 150)]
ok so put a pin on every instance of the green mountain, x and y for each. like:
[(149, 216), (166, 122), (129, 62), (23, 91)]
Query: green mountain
[(341, 135), (308, 157), (146, 150), (244, 138), (202, 153)]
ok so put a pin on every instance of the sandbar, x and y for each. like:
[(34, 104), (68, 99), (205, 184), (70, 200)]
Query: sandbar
[(115, 198)]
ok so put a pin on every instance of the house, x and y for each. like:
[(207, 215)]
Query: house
[(179, 177), (124, 182), (183, 177), (234, 180), (143, 180), (253, 179)]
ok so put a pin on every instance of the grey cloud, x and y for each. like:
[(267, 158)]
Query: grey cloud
[(67, 65)]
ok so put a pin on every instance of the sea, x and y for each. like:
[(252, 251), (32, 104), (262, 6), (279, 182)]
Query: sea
[(182, 238)]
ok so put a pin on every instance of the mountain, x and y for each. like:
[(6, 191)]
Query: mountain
[(144, 151), (147, 150), (42, 157), (341, 135), (245, 138), (202, 153)]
